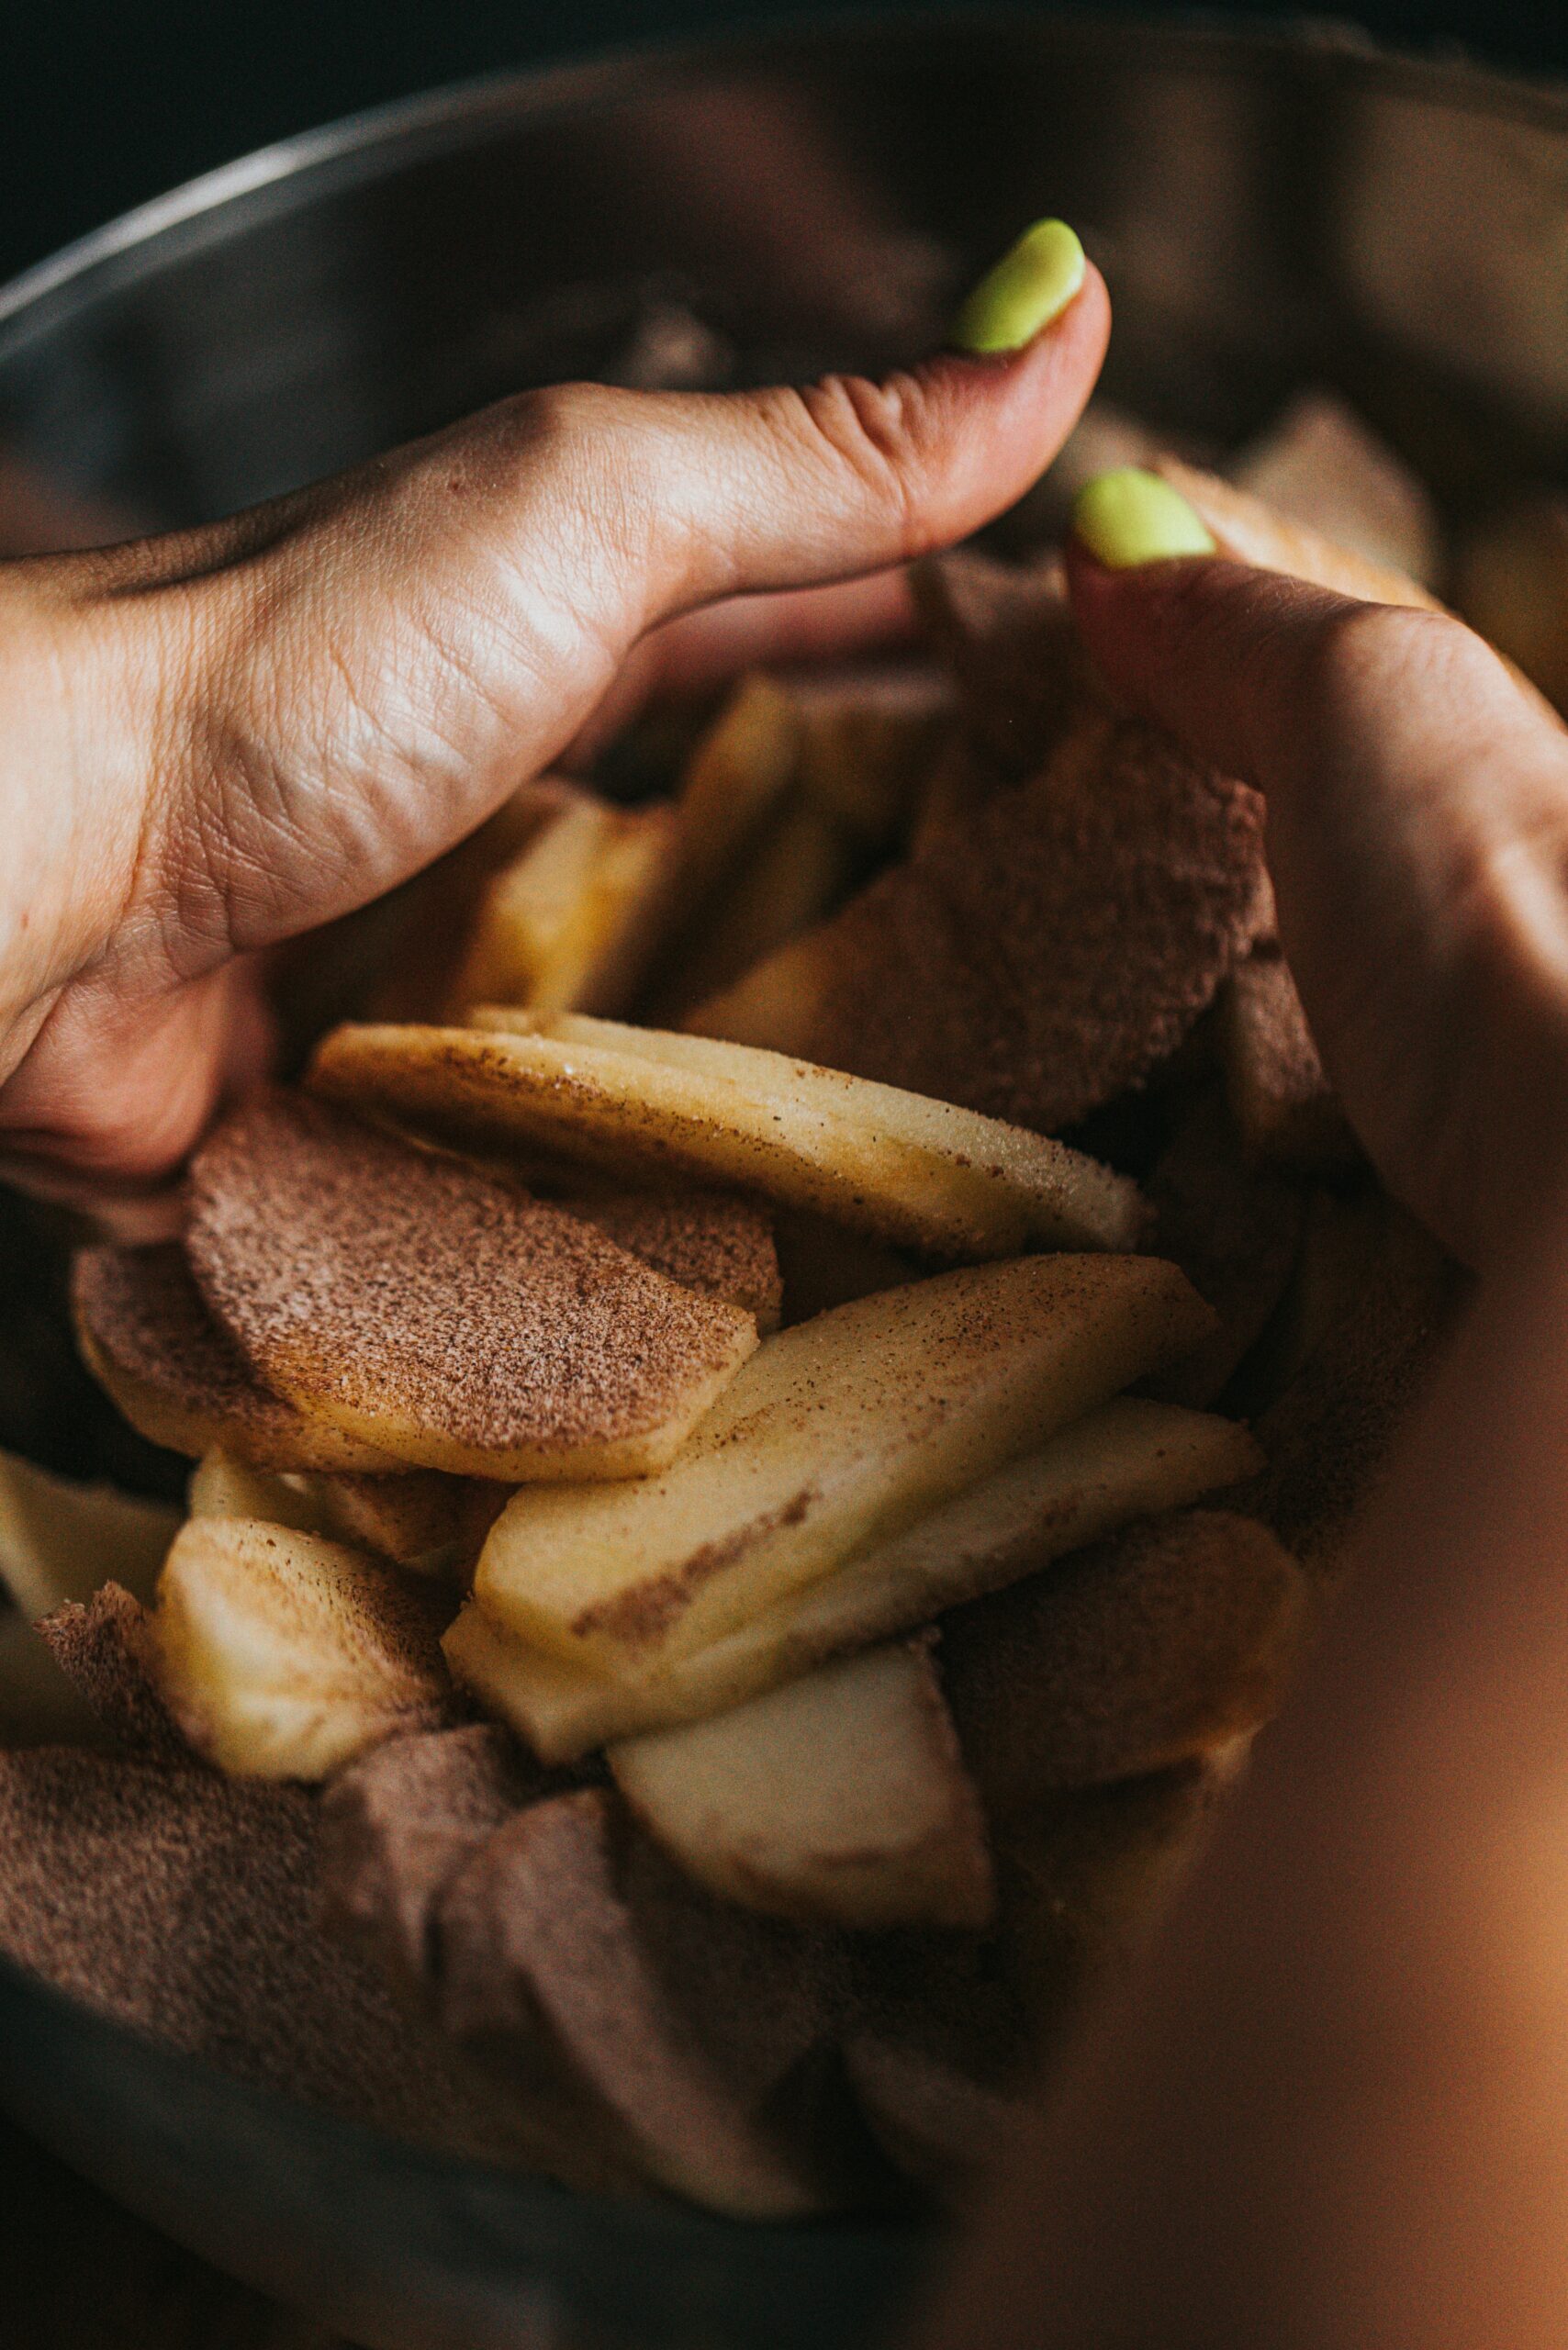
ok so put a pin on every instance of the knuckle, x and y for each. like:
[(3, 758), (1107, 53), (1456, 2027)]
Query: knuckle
[(1361, 649), (878, 437)]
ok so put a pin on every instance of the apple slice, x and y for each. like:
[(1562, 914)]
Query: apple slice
[(840, 1799), (1280, 1098), (282, 1656), (910, 1170), (147, 1336), (1128, 1459), (840, 1433), (867, 737), (736, 777), (62, 1540), (1248, 530), (438, 1312), (686, 2021), (574, 919), (793, 875), (1155, 1647)]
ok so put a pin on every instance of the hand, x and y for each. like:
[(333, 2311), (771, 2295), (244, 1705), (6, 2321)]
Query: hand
[(214, 742), (1417, 835)]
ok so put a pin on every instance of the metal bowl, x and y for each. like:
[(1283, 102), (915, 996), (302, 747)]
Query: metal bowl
[(1268, 209)]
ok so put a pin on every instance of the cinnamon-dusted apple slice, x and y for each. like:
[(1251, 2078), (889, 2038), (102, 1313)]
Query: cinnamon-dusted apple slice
[(1036, 956), (1155, 1647), (867, 737), (147, 1336), (1232, 1227), (914, 1172), (1127, 1460), (1283, 1105), (840, 1799), (282, 1656), (714, 1242), (439, 1312), (840, 1433), (684, 2020), (62, 1540), (572, 920)]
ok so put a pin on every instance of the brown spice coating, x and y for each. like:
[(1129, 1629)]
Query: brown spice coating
[(688, 2018), (1280, 1098), (1140, 1652), (398, 1282), (1006, 632), (140, 1310), (1044, 958), (1233, 1228), (185, 1905), (398, 1825), (712, 1242), (99, 1646)]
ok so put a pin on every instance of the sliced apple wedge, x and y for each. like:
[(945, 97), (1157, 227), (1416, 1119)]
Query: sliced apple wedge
[(841, 1799), (281, 1655), (839, 1433), (1157, 1647), (736, 778), (222, 1485), (63, 1541), (440, 1311), (907, 1169), (572, 920), (1128, 1459)]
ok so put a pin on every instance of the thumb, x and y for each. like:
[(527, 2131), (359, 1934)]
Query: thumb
[(1417, 833), (793, 486)]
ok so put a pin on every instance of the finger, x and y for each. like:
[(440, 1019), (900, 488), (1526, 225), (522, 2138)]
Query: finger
[(706, 648), (792, 487), (1417, 828)]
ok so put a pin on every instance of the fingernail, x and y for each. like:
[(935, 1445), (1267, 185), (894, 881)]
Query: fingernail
[(1029, 286), (1127, 516)]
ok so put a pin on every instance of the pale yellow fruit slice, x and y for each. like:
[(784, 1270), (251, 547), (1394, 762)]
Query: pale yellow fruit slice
[(1129, 1460), (913, 1172), (841, 1799), (839, 1433), (737, 776), (222, 1485), (422, 1521), (63, 1541), (281, 1655), (1249, 531), (794, 874), (867, 737), (572, 920)]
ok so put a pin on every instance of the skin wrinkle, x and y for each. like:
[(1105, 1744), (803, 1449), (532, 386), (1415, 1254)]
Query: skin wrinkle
[(275, 718)]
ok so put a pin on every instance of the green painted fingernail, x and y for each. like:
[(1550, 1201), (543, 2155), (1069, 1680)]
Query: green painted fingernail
[(1029, 286), (1127, 516)]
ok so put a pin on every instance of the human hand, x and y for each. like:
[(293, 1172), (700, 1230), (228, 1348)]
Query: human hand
[(1418, 837), (214, 742)]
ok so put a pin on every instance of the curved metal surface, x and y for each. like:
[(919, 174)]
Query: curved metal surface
[(1266, 210)]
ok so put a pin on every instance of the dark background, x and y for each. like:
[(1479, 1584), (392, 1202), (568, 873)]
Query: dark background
[(105, 102)]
